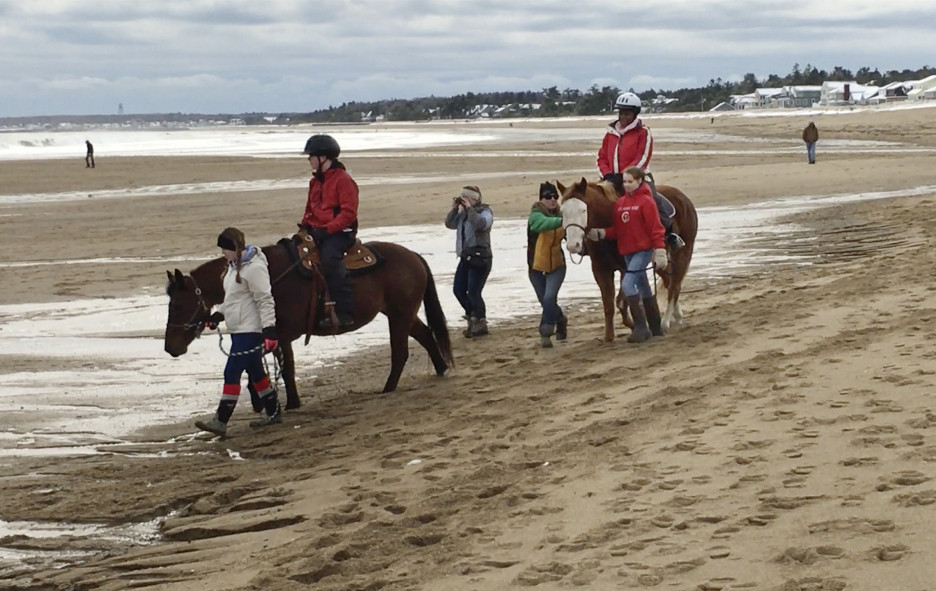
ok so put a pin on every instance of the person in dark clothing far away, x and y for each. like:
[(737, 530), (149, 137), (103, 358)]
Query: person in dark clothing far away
[(811, 136), (89, 155)]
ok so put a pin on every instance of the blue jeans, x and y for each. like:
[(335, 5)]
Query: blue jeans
[(811, 152), (635, 280), (467, 286), (546, 286)]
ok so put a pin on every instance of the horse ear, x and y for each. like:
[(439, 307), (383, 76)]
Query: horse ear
[(561, 187), (178, 277), (169, 275), (583, 184)]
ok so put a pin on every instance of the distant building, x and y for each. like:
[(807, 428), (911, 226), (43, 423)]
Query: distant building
[(847, 93), (924, 89)]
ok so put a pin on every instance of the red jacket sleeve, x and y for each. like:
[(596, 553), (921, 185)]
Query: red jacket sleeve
[(606, 154), (348, 204)]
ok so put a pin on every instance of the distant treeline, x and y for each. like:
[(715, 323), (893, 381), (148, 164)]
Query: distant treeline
[(552, 102), (594, 101)]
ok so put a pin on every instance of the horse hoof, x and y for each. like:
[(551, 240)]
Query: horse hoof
[(293, 405)]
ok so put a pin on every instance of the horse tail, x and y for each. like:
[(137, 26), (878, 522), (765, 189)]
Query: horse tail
[(435, 317)]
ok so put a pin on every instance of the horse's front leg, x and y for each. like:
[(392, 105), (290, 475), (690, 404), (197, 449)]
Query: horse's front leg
[(605, 281), (288, 369)]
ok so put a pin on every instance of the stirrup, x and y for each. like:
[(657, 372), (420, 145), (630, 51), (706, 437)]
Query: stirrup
[(675, 241), (343, 322)]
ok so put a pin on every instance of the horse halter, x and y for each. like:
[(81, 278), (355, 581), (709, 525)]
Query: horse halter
[(201, 310)]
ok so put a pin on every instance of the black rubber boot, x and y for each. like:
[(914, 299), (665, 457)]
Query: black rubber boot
[(273, 413), (340, 290), (641, 330), (653, 316)]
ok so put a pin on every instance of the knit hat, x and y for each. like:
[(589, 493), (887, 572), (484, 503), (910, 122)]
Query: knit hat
[(548, 191), (231, 239), (471, 191)]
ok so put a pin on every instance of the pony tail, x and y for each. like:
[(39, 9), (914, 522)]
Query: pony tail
[(240, 258)]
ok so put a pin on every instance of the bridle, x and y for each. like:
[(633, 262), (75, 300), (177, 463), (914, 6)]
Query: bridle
[(202, 310)]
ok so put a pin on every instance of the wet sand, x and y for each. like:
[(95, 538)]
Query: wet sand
[(777, 440)]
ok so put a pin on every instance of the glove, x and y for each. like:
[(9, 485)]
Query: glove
[(659, 259), (595, 234), (270, 342), (214, 320), (318, 234)]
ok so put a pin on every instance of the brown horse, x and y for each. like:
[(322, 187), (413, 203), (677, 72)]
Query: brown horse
[(587, 205), (396, 287)]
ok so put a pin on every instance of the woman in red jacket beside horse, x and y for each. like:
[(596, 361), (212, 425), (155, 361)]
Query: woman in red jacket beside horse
[(640, 241)]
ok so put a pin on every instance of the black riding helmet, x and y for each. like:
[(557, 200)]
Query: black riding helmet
[(322, 145)]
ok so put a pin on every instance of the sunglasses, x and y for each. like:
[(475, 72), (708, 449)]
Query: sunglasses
[(546, 197)]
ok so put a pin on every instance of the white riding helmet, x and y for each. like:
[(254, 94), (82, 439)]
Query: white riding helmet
[(629, 101)]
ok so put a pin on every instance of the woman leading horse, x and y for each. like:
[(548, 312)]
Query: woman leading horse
[(588, 205), (396, 288)]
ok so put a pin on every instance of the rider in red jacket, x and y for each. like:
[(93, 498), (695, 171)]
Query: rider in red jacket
[(331, 219), (628, 142)]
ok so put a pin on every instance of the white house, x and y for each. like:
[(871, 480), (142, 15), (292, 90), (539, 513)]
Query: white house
[(924, 89), (847, 93)]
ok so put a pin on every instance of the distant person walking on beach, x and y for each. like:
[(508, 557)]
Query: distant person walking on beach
[(472, 221), (628, 142), (89, 155), (546, 262), (249, 312), (811, 136), (331, 218)]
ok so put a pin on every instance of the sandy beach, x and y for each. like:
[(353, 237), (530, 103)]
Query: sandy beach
[(778, 440)]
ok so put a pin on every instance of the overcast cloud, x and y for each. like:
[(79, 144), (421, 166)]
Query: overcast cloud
[(232, 56)]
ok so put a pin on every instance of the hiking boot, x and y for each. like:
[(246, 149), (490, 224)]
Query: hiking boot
[(562, 329), (479, 328), (546, 342), (212, 425), (674, 241), (266, 421)]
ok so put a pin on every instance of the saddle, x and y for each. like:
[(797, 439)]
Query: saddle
[(357, 258), (305, 256)]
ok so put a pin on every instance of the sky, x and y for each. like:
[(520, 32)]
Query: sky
[(81, 57)]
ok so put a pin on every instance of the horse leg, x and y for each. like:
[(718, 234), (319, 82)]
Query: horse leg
[(673, 282), (399, 349), (423, 336), (288, 371), (605, 281)]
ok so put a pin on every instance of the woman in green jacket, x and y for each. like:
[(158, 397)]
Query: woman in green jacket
[(546, 262)]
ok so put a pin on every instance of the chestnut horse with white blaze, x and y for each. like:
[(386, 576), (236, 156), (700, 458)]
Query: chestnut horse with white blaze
[(588, 205)]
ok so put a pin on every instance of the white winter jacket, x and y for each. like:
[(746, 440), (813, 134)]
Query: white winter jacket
[(248, 306)]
